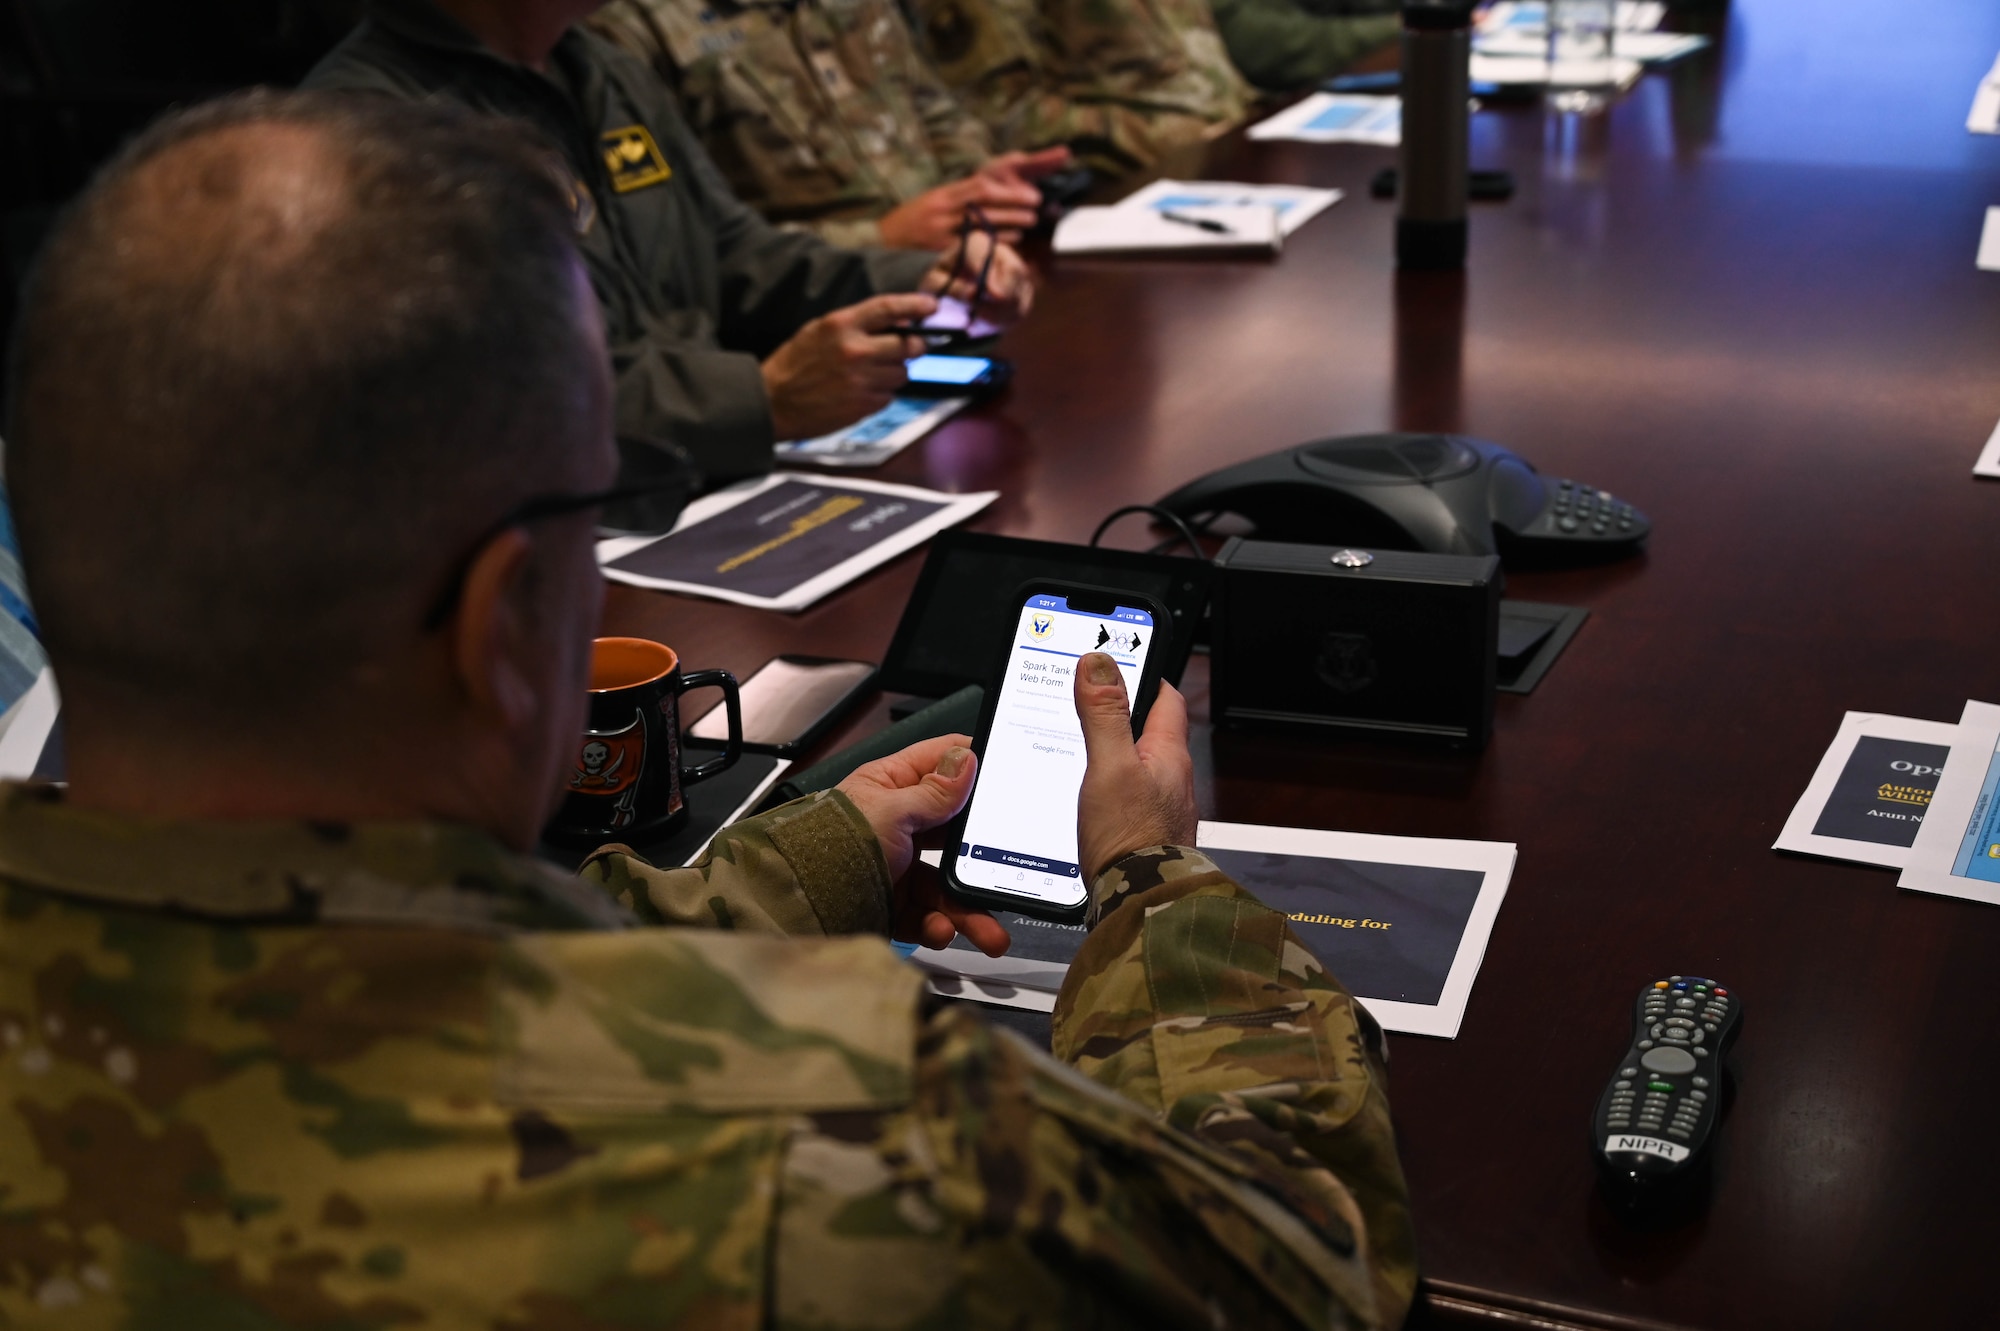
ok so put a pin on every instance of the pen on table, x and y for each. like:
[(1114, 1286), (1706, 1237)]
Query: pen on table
[(1205, 223)]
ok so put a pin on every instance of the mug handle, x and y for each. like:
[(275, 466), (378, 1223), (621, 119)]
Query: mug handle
[(716, 679)]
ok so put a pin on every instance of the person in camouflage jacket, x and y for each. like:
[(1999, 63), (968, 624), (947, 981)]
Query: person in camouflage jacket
[(1121, 82), (294, 1034), (822, 115)]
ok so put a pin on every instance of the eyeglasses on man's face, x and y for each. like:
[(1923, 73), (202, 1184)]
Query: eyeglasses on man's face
[(541, 508)]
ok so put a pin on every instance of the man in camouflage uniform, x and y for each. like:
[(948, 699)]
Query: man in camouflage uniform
[(291, 1032), (1120, 81), (823, 115), (1285, 45)]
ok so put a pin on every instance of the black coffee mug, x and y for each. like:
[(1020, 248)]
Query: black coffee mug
[(627, 781)]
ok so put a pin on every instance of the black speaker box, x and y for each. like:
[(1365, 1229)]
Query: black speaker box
[(1337, 640)]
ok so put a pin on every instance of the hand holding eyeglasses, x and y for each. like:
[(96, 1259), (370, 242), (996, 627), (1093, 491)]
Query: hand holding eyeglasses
[(992, 280), (985, 275)]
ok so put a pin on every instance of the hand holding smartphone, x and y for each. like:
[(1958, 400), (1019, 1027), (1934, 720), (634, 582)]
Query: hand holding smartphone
[(1016, 843)]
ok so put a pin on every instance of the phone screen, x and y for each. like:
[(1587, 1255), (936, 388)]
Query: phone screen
[(952, 315), (947, 369), (1020, 833)]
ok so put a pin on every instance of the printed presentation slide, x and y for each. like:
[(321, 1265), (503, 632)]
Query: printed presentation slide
[(873, 440), (1333, 117), (1295, 205), (1957, 851), (1403, 922), (782, 542), (1871, 791)]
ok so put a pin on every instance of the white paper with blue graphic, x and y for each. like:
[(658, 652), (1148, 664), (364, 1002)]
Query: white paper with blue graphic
[(1337, 117), (875, 439), (1957, 852), (1295, 205)]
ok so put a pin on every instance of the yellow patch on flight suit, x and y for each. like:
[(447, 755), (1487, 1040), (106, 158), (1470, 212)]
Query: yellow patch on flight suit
[(633, 159)]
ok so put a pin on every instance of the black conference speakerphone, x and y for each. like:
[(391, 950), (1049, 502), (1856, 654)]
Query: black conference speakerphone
[(1657, 1118), (1439, 493)]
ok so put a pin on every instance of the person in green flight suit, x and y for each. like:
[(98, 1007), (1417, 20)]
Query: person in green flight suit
[(823, 115), (1286, 45), (726, 335), (293, 1032)]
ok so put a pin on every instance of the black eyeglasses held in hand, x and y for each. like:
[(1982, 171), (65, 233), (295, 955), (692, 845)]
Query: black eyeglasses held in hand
[(973, 222)]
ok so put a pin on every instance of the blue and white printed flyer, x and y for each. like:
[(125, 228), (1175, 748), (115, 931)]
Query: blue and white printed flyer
[(1957, 851)]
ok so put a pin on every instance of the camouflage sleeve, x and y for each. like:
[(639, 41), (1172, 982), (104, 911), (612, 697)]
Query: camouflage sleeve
[(1198, 1001), (1280, 45), (1003, 80), (809, 867), (1121, 82), (959, 139)]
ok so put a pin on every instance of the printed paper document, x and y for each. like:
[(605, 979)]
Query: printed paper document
[(1957, 851), (1985, 117), (1533, 16), (1401, 921), (875, 439), (1989, 457), (1652, 48), (1295, 205), (782, 542), (1198, 226), (1337, 117), (1522, 71), (1873, 786)]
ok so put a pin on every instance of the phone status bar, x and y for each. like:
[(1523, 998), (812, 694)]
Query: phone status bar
[(1061, 604)]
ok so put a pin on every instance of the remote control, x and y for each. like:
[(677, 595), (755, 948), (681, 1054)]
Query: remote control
[(1655, 1120)]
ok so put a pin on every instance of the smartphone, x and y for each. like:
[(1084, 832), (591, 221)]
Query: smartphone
[(955, 376), (1014, 846), (789, 703), (952, 316)]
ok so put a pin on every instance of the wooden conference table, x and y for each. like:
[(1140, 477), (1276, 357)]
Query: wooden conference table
[(1746, 301)]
